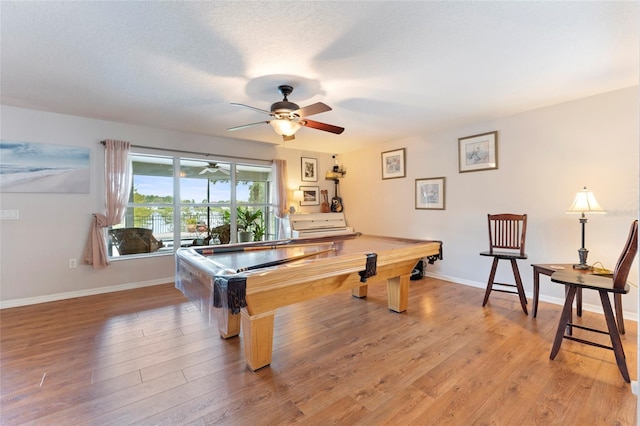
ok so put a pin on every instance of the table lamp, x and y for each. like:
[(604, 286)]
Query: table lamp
[(584, 202), (297, 197)]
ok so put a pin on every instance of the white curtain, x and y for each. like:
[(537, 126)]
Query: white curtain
[(118, 175), (280, 202)]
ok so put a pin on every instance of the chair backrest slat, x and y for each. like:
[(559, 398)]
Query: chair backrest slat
[(623, 266), (507, 231)]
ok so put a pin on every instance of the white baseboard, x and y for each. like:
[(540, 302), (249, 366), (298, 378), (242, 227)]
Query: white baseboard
[(81, 293)]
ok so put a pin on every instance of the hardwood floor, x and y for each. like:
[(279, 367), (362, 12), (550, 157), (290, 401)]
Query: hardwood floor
[(148, 357)]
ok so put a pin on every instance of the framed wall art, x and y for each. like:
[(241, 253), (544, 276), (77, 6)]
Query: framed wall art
[(309, 169), (478, 152), (310, 195), (393, 164), (430, 193), (43, 167)]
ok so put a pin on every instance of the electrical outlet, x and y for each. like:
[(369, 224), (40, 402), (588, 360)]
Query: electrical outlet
[(73, 263)]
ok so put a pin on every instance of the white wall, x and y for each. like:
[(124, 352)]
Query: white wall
[(294, 164), (52, 228), (544, 157)]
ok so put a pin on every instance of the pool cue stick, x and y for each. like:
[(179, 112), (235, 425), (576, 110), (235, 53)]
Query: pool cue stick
[(283, 261), (256, 248)]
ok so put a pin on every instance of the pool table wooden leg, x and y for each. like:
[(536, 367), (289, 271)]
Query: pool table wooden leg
[(258, 338), (398, 293), (228, 323), (359, 292)]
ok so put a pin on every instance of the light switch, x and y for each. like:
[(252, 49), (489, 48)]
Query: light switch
[(9, 214)]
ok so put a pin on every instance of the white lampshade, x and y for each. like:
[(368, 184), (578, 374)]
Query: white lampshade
[(284, 127), (298, 195), (585, 202)]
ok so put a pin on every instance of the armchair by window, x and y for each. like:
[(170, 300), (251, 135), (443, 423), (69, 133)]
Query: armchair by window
[(134, 240)]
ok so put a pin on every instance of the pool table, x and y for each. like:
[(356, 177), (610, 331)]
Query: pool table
[(243, 284)]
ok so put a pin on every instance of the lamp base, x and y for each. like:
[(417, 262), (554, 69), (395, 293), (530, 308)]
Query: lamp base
[(581, 266), (582, 255)]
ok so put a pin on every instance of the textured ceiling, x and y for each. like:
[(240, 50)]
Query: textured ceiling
[(389, 69)]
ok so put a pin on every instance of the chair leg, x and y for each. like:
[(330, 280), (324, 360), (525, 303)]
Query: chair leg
[(578, 299), (521, 295), (494, 267), (617, 300), (565, 317), (618, 350), (579, 302)]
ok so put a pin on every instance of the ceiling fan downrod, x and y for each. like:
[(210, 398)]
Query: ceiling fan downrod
[(285, 90), (284, 108)]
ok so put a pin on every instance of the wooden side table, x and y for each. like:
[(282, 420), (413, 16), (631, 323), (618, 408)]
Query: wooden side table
[(550, 268)]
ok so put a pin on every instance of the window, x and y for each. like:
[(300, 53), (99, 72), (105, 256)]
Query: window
[(180, 202)]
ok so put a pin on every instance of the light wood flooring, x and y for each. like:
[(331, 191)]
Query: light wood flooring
[(148, 357)]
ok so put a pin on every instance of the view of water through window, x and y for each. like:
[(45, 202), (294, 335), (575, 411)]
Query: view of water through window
[(218, 203)]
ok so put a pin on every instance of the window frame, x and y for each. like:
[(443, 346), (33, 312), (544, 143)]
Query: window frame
[(176, 157)]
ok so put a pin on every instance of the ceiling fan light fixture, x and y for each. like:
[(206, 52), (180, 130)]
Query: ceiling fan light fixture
[(288, 117), (285, 127)]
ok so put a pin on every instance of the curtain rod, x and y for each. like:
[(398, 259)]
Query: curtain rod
[(197, 153)]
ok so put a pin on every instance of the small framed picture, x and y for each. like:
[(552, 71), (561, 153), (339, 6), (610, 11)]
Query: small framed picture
[(309, 169), (430, 193), (310, 195), (393, 164), (478, 152)]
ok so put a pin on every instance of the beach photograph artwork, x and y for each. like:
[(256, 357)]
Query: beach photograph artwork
[(40, 167)]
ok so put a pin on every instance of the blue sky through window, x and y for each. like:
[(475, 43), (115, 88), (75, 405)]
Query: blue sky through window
[(190, 189)]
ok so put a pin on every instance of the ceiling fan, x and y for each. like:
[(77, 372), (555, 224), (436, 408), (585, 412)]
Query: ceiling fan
[(289, 117), (212, 168)]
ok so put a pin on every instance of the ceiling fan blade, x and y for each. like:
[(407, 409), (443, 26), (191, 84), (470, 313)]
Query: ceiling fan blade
[(253, 108), (316, 108), (214, 170), (288, 138), (246, 125), (322, 126)]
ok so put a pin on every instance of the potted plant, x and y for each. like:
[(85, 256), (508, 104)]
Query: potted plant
[(259, 230), (191, 224), (250, 225)]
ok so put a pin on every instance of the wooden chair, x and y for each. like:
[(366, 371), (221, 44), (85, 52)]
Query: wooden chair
[(603, 285), (507, 233)]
